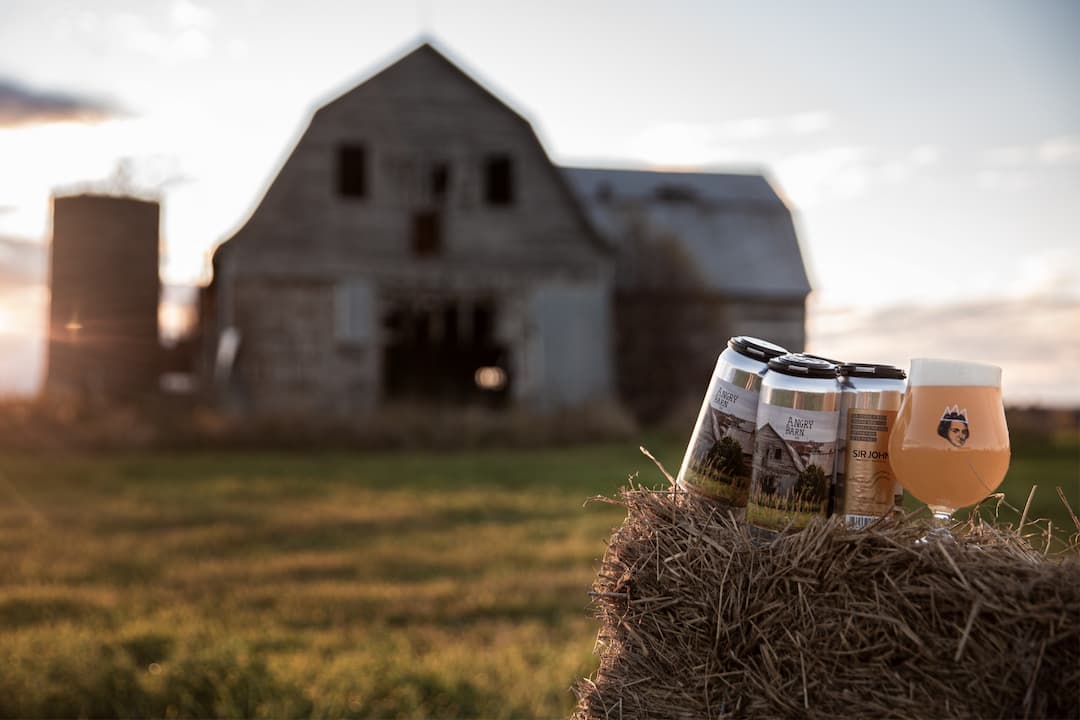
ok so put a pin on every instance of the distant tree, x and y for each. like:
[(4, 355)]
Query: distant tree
[(727, 456), (811, 483)]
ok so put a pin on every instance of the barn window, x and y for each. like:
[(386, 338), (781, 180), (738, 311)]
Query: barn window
[(499, 180), (604, 193), (352, 171), (440, 180), (426, 234), (675, 194), (776, 453), (354, 312), (483, 323)]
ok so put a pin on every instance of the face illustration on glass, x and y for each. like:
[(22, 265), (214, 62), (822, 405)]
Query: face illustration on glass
[(954, 426)]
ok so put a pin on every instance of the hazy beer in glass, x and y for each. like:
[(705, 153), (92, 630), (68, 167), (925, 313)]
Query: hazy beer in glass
[(950, 445)]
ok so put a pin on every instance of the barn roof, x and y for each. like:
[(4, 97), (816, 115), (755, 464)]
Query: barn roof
[(416, 53), (767, 429), (735, 231)]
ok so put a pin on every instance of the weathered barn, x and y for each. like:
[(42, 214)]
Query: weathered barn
[(700, 257), (417, 245), (774, 456), (103, 309)]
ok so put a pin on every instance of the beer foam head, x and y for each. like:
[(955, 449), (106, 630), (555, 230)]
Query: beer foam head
[(933, 371)]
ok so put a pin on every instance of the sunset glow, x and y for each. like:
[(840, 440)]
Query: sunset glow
[(913, 199)]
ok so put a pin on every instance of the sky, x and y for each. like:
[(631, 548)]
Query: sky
[(930, 151)]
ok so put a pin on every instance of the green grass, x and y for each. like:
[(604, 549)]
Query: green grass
[(776, 511), (715, 485), (377, 585), (386, 585)]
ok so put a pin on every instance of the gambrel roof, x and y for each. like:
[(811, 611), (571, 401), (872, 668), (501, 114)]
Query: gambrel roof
[(767, 430), (735, 231)]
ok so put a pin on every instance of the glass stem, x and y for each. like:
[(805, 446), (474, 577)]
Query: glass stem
[(942, 516), (939, 527)]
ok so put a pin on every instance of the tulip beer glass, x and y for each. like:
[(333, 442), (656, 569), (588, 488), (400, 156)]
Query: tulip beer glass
[(950, 445)]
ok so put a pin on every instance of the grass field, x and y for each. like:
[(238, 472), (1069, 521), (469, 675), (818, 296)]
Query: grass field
[(382, 585)]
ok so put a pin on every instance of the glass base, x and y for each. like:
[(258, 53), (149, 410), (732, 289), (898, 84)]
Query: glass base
[(761, 536)]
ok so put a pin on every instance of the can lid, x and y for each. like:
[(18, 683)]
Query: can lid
[(837, 363), (872, 370), (755, 348), (801, 365)]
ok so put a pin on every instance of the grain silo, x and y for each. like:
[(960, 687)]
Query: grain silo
[(103, 315)]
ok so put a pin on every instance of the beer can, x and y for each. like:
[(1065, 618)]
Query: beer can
[(794, 444), (865, 488), (718, 457)]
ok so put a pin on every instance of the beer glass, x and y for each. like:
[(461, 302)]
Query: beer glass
[(950, 445)]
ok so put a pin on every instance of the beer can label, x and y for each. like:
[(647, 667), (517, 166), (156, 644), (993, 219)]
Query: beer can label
[(794, 456), (718, 465), (870, 488)]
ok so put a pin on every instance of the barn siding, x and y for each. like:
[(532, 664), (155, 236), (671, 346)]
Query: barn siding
[(667, 343), (701, 257), (782, 322), (573, 329), (290, 362), (419, 111), (767, 444), (304, 240), (680, 294)]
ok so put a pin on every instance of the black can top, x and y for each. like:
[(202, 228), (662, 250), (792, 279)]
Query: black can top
[(801, 365), (871, 370), (838, 363), (755, 348)]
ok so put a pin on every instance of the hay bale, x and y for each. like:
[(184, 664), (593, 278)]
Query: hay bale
[(699, 622)]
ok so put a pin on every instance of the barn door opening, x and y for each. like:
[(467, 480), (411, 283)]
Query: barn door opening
[(444, 352)]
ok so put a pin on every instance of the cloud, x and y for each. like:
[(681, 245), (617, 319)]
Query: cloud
[(185, 35), (22, 105), (813, 176), (1008, 180), (22, 263), (924, 155), (757, 128), (1048, 274), (1058, 150), (187, 14), (1035, 340), (1013, 168), (682, 143), (1007, 156)]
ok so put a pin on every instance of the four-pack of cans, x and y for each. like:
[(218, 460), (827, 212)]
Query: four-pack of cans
[(783, 437)]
